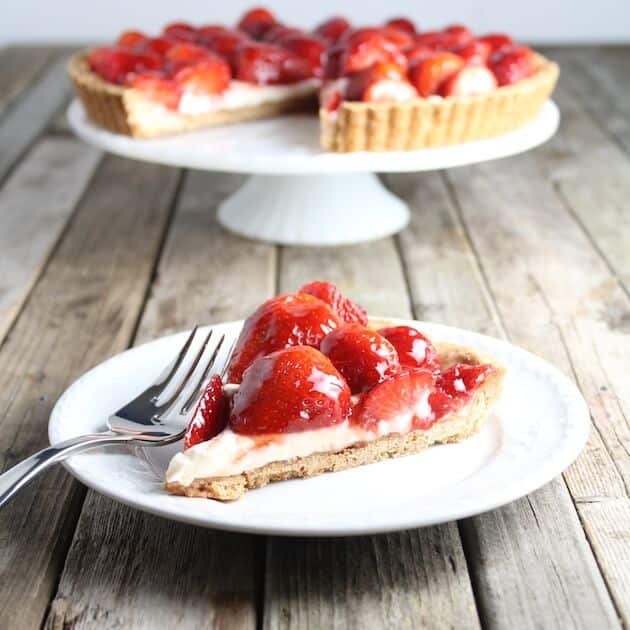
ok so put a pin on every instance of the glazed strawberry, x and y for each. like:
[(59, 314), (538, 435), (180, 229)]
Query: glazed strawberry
[(476, 52), (380, 83), (363, 357), (460, 34), (400, 39), (513, 64), (311, 49), (286, 320), (470, 80), (345, 308), (333, 29), (363, 49), (417, 52), (157, 88), (402, 24), (447, 39), (256, 22), (210, 76), (497, 41), (295, 389), (158, 45), (279, 32), (180, 31), (332, 94), (130, 39), (186, 52), (413, 348), (210, 416), (115, 65), (264, 64), (402, 398), (427, 75), (221, 40)]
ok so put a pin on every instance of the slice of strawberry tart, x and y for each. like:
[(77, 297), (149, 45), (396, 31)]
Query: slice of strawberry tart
[(315, 387)]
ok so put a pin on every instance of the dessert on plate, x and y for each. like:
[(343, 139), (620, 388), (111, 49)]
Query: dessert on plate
[(314, 386), (388, 87)]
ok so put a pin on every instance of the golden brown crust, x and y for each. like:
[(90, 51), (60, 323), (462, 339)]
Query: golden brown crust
[(128, 111), (420, 123), (453, 427)]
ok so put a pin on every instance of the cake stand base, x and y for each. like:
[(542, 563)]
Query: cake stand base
[(331, 209)]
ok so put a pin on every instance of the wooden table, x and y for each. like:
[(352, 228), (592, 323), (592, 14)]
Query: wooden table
[(98, 253)]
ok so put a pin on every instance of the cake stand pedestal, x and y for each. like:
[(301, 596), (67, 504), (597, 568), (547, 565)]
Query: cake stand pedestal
[(299, 194)]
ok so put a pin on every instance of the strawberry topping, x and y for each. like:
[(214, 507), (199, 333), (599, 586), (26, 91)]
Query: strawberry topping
[(347, 310), (210, 76), (497, 41), (402, 24), (363, 357), (266, 64), (290, 390), (283, 321), (429, 74), (476, 52), (210, 416), (256, 22), (180, 31), (413, 348), (159, 89), (130, 39), (333, 29), (470, 80), (512, 64)]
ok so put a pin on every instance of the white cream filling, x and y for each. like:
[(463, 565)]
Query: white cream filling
[(242, 94), (231, 453)]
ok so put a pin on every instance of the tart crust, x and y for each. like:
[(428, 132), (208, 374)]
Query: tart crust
[(453, 427), (419, 123), (128, 111)]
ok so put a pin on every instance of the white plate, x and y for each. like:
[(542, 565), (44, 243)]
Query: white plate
[(537, 430)]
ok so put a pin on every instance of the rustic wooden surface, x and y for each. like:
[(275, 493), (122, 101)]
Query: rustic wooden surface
[(98, 253)]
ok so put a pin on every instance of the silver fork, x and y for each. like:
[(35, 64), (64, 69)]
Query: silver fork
[(144, 421)]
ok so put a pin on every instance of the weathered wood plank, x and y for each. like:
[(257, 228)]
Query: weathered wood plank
[(35, 205), (20, 66), (210, 579), (512, 590), (83, 309), (24, 122), (403, 580)]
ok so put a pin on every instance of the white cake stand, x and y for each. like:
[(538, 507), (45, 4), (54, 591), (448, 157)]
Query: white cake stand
[(299, 194)]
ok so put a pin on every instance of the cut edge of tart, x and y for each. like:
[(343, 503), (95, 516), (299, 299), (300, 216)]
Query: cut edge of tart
[(451, 427), (431, 122), (129, 111)]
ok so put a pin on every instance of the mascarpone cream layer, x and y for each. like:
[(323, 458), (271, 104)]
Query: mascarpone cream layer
[(232, 453)]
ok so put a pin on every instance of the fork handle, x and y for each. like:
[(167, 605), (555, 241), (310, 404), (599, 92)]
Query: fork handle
[(17, 477)]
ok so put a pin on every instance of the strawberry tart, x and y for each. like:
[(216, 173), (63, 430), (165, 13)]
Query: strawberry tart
[(389, 87), (313, 386)]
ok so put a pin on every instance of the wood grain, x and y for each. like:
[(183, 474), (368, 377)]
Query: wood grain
[(509, 585), (30, 114), (83, 309), (211, 579), (412, 579), (35, 205)]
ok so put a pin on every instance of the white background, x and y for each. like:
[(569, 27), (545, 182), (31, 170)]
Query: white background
[(535, 21)]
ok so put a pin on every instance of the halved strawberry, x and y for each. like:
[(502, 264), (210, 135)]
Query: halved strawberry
[(497, 41), (158, 88), (363, 49), (116, 65), (290, 390), (221, 40), (402, 24), (414, 349), (308, 48), (186, 52), (333, 29), (279, 31), (181, 31), (129, 39), (417, 52), (512, 64), (363, 357), (400, 39), (265, 64), (404, 396), (256, 22), (476, 52), (470, 80), (427, 75), (460, 34), (445, 40), (210, 416), (209, 76), (348, 310)]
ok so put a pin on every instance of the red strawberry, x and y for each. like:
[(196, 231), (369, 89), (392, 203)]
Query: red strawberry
[(333, 29), (157, 88), (362, 49), (180, 31), (427, 75), (442, 40), (347, 310), (221, 40), (402, 24), (470, 80), (363, 357), (264, 64), (185, 52), (159, 45), (210, 76), (497, 41), (279, 32), (512, 64), (290, 390), (417, 52), (256, 22), (115, 65), (129, 39), (405, 395), (380, 83), (476, 52), (413, 348), (311, 49), (400, 39), (210, 416), (286, 320), (460, 35)]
